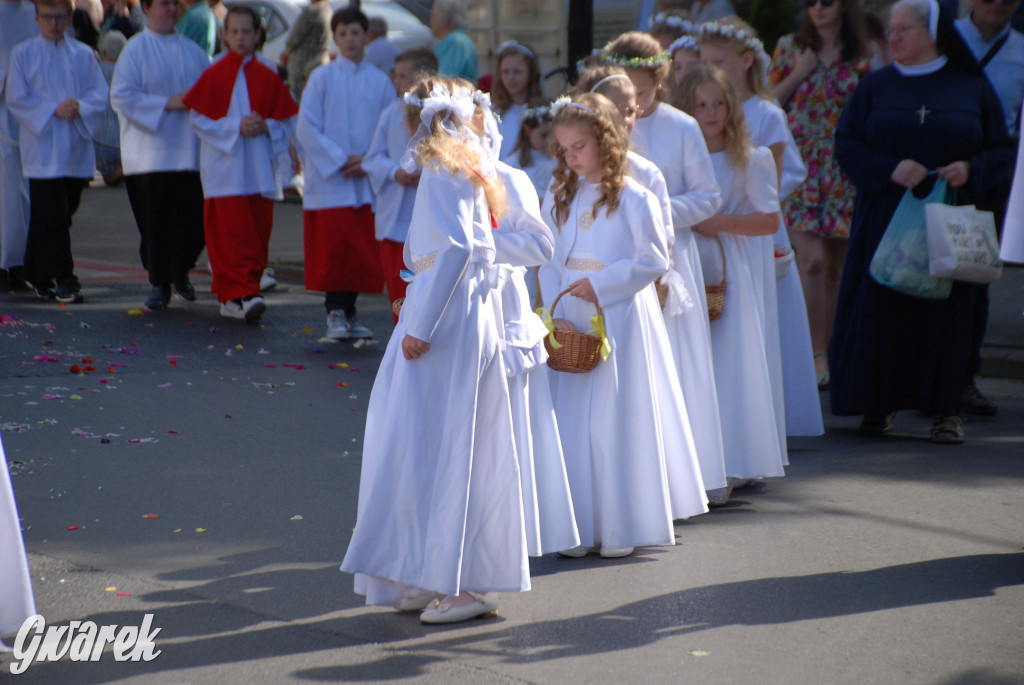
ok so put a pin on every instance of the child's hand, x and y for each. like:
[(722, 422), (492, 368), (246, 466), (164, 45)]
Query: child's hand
[(175, 103), (68, 109), (710, 226), (583, 290), (562, 325), (414, 348), (253, 125), (353, 167), (407, 180)]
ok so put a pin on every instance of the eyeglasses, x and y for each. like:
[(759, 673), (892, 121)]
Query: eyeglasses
[(53, 18), (824, 3)]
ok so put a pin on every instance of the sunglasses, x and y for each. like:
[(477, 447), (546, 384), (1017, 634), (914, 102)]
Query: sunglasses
[(828, 3), (1005, 2)]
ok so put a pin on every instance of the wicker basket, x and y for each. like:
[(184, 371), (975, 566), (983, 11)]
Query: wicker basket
[(396, 306), (579, 353), (784, 261), (716, 292)]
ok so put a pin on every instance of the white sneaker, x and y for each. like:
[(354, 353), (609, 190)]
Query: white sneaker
[(253, 308), (337, 328), (358, 330), (232, 309), (267, 280)]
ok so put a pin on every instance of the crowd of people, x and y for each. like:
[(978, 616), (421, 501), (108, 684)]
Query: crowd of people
[(705, 212)]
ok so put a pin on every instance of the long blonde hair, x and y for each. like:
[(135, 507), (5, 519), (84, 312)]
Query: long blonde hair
[(440, 149), (597, 114), (737, 135)]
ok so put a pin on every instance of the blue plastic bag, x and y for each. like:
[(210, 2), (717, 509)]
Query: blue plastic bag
[(901, 258)]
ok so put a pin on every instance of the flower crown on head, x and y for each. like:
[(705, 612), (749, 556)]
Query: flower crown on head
[(611, 58), (671, 21), (750, 41), (540, 113), (565, 101), (684, 43)]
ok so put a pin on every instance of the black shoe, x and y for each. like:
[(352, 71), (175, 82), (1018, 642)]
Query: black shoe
[(69, 292), (46, 290), (5, 283), (976, 403), (185, 290), (159, 297), (16, 279), (877, 424)]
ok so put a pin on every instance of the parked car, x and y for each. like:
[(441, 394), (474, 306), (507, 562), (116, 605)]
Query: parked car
[(404, 29)]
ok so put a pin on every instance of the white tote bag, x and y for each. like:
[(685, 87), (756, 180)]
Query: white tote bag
[(962, 243)]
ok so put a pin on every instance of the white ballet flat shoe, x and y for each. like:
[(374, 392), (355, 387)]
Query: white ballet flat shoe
[(576, 552), (440, 611), (608, 553)]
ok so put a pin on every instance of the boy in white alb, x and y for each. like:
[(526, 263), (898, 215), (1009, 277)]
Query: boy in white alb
[(241, 111), (395, 189), (17, 23), (159, 149), (341, 105), (56, 91)]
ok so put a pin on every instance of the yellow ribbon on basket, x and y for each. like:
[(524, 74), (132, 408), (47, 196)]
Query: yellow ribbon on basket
[(597, 321), (545, 316)]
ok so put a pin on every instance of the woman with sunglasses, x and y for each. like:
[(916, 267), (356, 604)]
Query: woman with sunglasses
[(931, 114), (814, 71)]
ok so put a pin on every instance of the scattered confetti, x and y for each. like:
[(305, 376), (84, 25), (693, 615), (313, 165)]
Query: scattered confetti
[(297, 517), (111, 589), (239, 347), (176, 530), (151, 516), (342, 385), (135, 312), (699, 652), (75, 397), (123, 594), (72, 527), (263, 351), (200, 530), (165, 385), (227, 416)]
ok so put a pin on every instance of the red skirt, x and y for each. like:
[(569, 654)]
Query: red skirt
[(237, 242), (342, 253)]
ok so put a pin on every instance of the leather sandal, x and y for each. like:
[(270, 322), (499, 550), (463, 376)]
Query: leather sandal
[(948, 430)]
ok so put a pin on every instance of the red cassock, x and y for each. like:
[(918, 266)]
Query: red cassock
[(342, 253)]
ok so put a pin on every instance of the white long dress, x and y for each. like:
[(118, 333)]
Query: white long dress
[(741, 365), (16, 600), (610, 419), (522, 240), (508, 125), (673, 141), (17, 23), (1012, 249), (794, 355), (539, 171), (440, 506)]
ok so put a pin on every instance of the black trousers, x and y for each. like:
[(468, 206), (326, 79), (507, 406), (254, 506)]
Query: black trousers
[(344, 300), (168, 209), (48, 253)]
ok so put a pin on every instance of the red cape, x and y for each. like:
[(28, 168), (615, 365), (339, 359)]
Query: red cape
[(268, 95)]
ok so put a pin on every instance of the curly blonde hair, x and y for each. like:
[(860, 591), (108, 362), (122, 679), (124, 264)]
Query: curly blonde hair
[(597, 114), (442, 150), (757, 74), (737, 135)]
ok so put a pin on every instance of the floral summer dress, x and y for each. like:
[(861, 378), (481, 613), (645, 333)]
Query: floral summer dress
[(823, 204)]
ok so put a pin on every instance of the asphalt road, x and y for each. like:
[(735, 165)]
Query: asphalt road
[(876, 560)]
